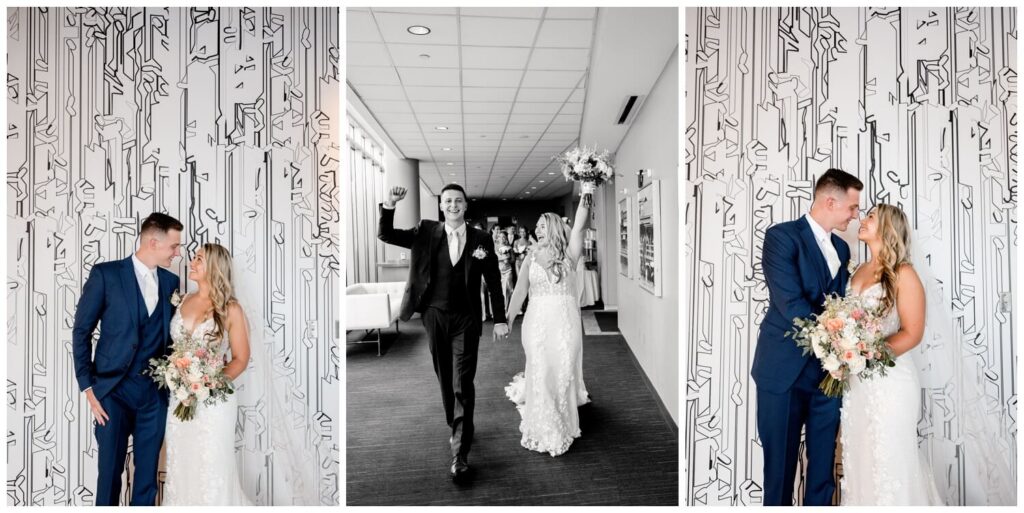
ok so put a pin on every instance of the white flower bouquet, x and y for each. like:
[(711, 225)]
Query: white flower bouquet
[(847, 338), (194, 373), (588, 167)]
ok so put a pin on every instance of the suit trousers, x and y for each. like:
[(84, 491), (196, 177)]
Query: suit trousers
[(780, 419), (454, 353)]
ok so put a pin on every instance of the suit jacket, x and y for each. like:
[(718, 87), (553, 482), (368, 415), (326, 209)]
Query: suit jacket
[(423, 242), (798, 281), (110, 299)]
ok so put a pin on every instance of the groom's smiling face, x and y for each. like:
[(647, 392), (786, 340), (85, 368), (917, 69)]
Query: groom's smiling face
[(453, 204), (844, 208)]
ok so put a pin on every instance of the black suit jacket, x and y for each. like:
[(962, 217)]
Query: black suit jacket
[(423, 242)]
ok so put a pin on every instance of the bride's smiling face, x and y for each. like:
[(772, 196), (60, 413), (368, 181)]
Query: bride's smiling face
[(542, 229), (868, 230), (197, 267)]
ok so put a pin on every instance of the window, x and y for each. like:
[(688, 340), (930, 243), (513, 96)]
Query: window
[(366, 191)]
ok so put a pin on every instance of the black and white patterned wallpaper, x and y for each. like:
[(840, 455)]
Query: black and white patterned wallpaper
[(226, 118), (921, 104)]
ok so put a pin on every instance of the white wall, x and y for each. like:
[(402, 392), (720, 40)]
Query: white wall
[(238, 142), (775, 96), (648, 323)]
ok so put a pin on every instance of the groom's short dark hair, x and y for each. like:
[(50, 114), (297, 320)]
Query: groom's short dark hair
[(160, 223), (455, 187), (837, 180)]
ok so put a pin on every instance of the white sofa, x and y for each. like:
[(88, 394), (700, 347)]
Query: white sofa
[(373, 306)]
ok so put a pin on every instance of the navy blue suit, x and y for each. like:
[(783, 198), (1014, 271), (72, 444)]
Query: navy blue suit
[(788, 398), (129, 337)]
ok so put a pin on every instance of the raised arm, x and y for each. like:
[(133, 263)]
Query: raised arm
[(579, 227), (911, 309), (238, 338), (386, 230), (521, 291), (778, 260)]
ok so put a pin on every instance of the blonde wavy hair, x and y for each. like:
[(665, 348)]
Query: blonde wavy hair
[(222, 289), (555, 245), (894, 230)]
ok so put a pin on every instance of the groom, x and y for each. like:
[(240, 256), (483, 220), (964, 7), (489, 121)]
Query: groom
[(130, 299), (803, 262), (448, 259)]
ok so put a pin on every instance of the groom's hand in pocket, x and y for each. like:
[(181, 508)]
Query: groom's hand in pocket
[(97, 409)]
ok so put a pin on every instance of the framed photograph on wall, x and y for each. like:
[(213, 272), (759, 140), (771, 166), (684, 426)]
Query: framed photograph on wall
[(648, 233), (625, 223)]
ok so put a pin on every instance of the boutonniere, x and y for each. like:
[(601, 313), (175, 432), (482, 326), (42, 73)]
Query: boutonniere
[(480, 253), (851, 266), (176, 298)]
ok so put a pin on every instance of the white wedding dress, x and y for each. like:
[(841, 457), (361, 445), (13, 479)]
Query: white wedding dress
[(882, 465), (551, 388), (201, 465)]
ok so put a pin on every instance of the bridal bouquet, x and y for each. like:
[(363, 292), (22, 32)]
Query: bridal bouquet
[(588, 167), (194, 373), (847, 338)]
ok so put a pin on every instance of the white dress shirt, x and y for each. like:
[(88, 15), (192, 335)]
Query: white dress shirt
[(456, 241), (147, 283), (828, 250)]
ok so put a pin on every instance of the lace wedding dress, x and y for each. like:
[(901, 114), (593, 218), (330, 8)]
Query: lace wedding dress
[(201, 465), (549, 391), (881, 461)]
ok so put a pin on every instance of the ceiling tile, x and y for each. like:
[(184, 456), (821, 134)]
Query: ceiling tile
[(409, 56), (544, 95), (359, 26), (367, 54), (560, 58), (535, 108), (372, 75), (433, 93), (485, 118), (488, 107), (571, 12), (381, 92), (498, 31), (534, 78), (490, 78), (381, 106), (418, 10), (394, 27), (504, 12), (488, 94), (564, 34), (494, 57), (429, 76)]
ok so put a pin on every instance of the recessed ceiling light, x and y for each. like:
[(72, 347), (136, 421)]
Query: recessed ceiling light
[(451, 174), (439, 127), (449, 163), (533, 187), (551, 172), (527, 192), (418, 30), (446, 149), (542, 181)]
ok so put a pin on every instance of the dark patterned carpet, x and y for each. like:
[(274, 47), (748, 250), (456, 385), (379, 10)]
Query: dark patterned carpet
[(397, 439)]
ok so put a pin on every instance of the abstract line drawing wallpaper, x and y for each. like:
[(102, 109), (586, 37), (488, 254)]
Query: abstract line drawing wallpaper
[(921, 104), (226, 118)]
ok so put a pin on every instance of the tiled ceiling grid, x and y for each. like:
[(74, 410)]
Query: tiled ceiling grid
[(508, 83)]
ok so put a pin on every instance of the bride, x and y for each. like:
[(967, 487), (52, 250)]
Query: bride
[(551, 388), (201, 465), (884, 463)]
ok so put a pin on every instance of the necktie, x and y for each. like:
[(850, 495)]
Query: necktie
[(149, 293), (453, 247), (831, 256)]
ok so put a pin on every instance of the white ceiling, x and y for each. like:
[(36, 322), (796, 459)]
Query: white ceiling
[(510, 84)]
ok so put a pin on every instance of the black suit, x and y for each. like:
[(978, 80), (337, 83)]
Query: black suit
[(453, 327)]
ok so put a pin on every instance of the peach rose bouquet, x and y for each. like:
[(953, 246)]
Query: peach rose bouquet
[(847, 338), (193, 372)]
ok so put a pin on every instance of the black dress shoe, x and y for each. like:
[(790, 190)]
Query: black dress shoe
[(459, 470)]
